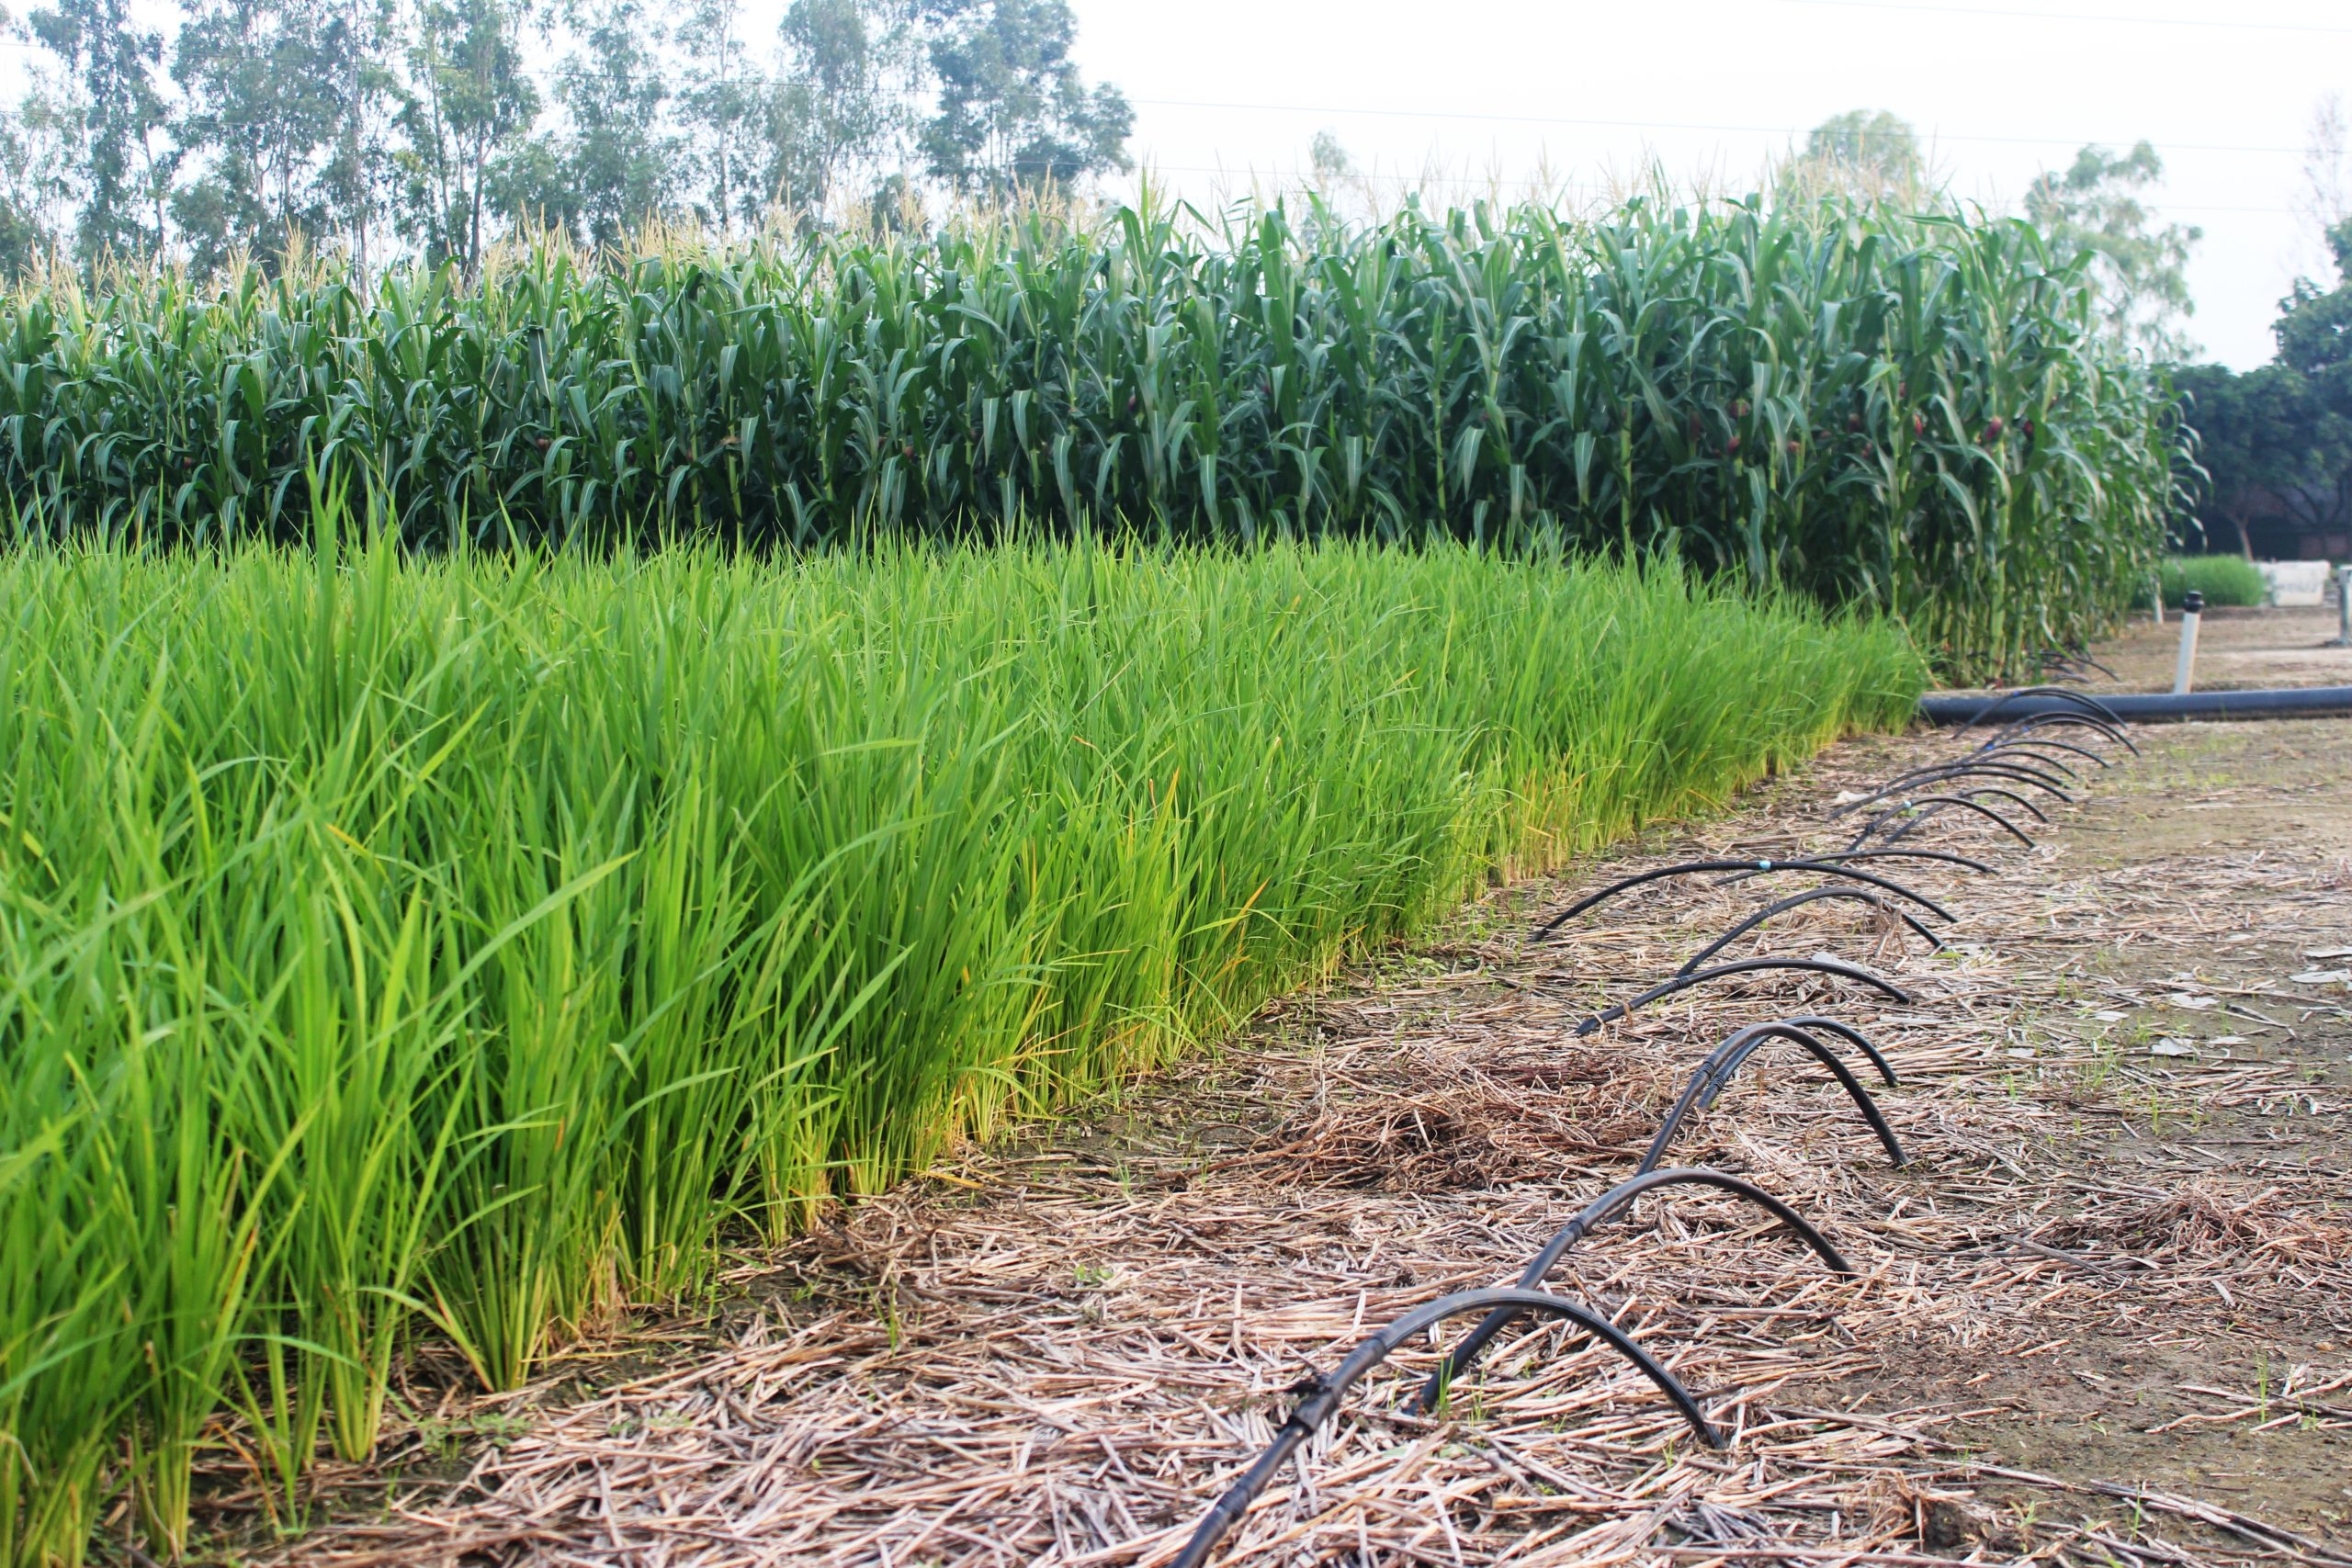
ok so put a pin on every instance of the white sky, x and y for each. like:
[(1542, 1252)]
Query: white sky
[(1999, 90), (1498, 93)]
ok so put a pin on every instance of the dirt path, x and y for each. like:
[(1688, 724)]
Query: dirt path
[(2104, 1315), (2236, 648)]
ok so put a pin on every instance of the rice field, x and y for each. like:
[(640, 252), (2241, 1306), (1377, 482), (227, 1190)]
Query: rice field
[(461, 946), (1913, 414)]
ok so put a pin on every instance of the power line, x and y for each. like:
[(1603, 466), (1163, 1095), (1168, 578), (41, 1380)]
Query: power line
[(2073, 16), (1588, 190), (1669, 124)]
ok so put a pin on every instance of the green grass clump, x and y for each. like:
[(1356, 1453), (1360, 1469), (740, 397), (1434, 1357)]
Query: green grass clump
[(2225, 580), (1915, 415), (469, 944)]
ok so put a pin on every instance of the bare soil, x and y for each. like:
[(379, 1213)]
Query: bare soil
[(2236, 648), (2103, 1313)]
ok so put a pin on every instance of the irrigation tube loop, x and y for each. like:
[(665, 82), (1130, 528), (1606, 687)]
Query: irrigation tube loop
[(1935, 803), (1323, 1393), (2060, 693), (2062, 720), (2033, 747), (1975, 792), (2010, 772), (1971, 800), (1860, 895), (2007, 758), (1620, 1196), (1745, 965), (1715, 1073), (1824, 865), (1840, 856), (1994, 765)]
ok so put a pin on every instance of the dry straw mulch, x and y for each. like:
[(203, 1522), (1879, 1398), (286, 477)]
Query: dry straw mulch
[(1060, 1351)]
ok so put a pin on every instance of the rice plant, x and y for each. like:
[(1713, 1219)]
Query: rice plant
[(465, 945), (1909, 414)]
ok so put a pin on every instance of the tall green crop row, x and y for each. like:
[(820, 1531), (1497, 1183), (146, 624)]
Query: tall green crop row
[(459, 945), (1904, 413)]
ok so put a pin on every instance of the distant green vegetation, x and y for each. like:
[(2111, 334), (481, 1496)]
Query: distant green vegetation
[(1917, 415), (2223, 580), (460, 944)]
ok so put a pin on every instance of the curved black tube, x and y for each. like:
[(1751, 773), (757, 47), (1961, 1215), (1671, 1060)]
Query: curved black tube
[(1827, 867), (2057, 694), (1860, 1041), (2033, 748), (2062, 719), (1978, 793), (2000, 768), (1733, 1063), (1322, 1394), (1726, 1059), (2010, 751), (1939, 803), (1840, 856), (1982, 762), (1945, 775), (1862, 894), (1684, 982), (1576, 1230), (2060, 655)]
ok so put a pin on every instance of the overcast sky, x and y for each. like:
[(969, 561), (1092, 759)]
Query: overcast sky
[(1503, 90)]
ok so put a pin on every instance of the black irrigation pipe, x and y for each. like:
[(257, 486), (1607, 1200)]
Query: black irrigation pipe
[(1684, 982), (2055, 693), (2001, 768), (2008, 771), (2027, 767), (1827, 867), (1323, 1393), (2011, 752), (1861, 894), (1980, 791), (2288, 702), (1877, 820), (2060, 719), (1620, 1196), (1716, 1071), (1978, 866), (2033, 748), (1935, 803)]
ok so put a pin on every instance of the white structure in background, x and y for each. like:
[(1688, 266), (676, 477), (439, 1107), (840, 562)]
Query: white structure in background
[(2297, 583)]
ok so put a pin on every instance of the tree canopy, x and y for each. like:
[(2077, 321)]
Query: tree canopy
[(262, 126), (2095, 208), (2277, 440)]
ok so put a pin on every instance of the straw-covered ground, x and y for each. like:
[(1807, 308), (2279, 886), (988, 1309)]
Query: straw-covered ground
[(2104, 1315)]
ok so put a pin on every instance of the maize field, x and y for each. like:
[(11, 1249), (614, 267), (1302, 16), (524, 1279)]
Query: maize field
[(1911, 414)]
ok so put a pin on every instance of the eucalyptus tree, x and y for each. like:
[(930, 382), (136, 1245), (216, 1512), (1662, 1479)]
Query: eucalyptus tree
[(1014, 111), (1861, 152), (619, 156), (840, 112), (274, 123), (113, 123), (2095, 208), (724, 110), (469, 106)]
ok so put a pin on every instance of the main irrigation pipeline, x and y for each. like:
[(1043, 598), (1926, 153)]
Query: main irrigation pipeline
[(2050, 747)]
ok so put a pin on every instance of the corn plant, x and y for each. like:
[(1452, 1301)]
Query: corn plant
[(1908, 414)]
